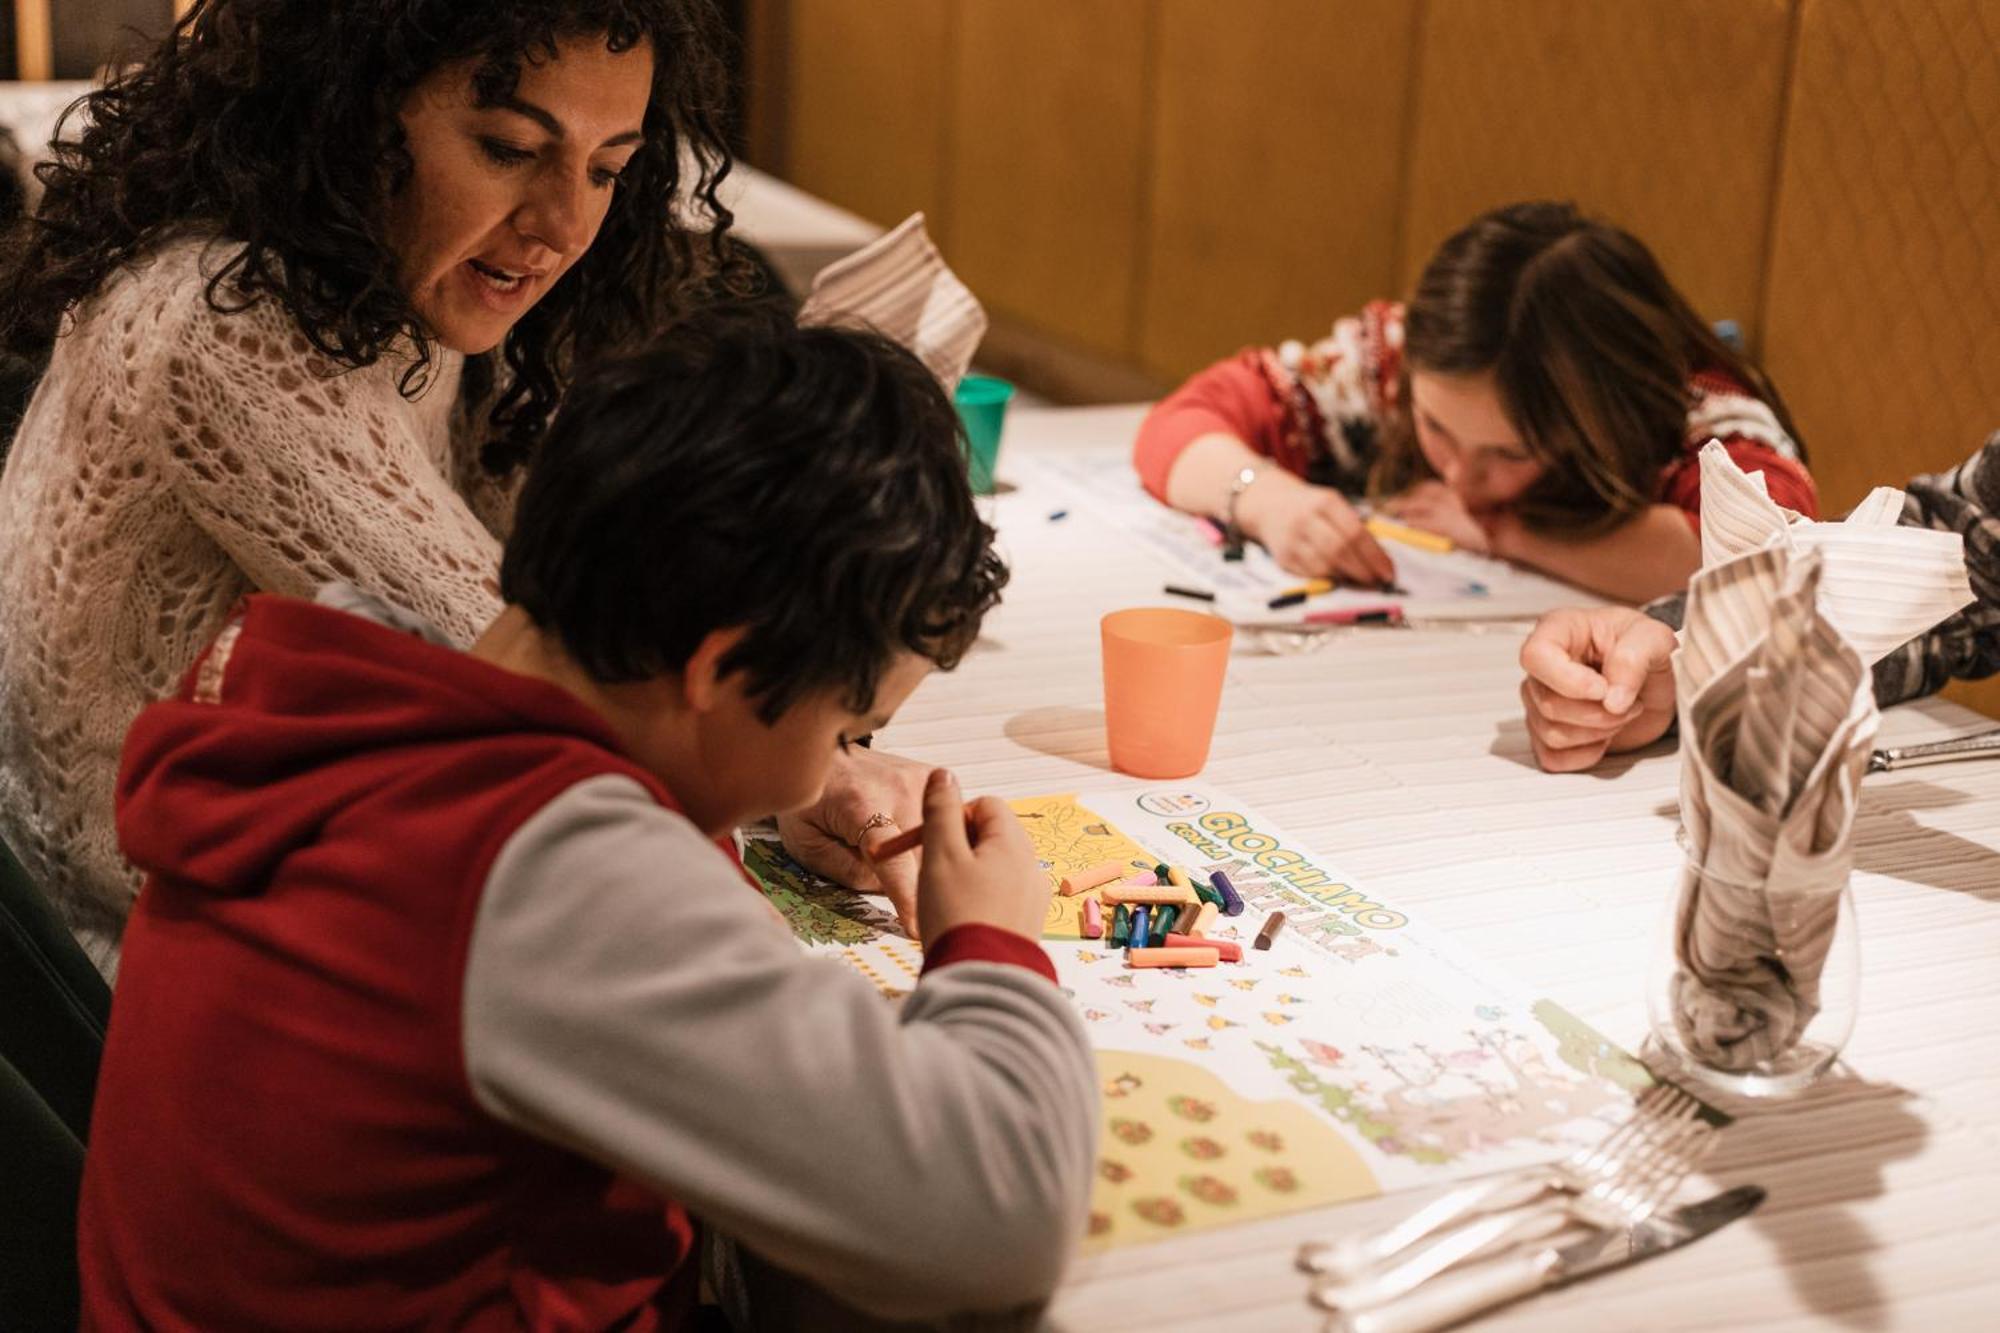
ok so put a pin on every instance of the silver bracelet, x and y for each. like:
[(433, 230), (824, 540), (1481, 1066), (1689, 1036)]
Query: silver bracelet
[(1231, 529)]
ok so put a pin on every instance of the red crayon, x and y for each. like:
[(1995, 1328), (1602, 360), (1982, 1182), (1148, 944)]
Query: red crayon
[(1231, 951)]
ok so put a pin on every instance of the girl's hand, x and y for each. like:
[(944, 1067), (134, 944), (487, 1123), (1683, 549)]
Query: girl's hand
[(1436, 507), (1312, 530)]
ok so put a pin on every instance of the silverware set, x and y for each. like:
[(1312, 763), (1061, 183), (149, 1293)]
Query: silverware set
[(1498, 1239)]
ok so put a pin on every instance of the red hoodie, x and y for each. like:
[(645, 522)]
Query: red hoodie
[(283, 1107), (361, 1005)]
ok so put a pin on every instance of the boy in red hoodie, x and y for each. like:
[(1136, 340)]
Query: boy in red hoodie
[(446, 1002)]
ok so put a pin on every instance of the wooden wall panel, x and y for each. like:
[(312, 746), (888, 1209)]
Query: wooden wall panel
[(1883, 323), (865, 116), (1663, 117), (1280, 131), (1047, 162)]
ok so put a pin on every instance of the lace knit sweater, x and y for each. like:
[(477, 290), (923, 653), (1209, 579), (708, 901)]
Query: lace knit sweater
[(172, 460)]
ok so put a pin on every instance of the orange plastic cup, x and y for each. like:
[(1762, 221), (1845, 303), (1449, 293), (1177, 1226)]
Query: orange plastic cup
[(1163, 671)]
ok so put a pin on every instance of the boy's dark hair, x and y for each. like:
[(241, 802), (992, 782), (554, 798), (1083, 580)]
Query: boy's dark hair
[(741, 470), (1591, 348)]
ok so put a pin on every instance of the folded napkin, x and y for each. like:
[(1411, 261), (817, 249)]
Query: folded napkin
[(899, 286), (1777, 713)]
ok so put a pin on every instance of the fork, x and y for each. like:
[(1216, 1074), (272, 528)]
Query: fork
[(1623, 1199), (1349, 1257)]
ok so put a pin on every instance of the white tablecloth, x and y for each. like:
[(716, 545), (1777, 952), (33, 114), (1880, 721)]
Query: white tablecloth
[(1401, 757)]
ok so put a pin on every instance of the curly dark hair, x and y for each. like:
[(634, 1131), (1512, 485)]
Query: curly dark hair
[(807, 483), (274, 123)]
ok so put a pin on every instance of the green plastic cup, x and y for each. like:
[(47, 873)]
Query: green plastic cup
[(982, 407)]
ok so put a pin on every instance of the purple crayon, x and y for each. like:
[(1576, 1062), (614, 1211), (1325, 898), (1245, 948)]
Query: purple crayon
[(1232, 901)]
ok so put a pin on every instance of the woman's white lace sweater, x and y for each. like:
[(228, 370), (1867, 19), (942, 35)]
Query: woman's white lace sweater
[(173, 459)]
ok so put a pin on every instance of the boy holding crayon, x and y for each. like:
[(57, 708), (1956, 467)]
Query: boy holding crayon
[(447, 1002)]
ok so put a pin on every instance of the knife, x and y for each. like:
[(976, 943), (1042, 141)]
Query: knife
[(1460, 1294), (1984, 745)]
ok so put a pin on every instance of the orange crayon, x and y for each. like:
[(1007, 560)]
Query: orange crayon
[(1145, 895), (1101, 873), (1203, 921), (1165, 957)]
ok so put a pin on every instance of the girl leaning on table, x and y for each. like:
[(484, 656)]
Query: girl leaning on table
[(1540, 398), (307, 283)]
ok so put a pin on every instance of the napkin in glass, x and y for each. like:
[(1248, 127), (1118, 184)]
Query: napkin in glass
[(899, 285), (1778, 717)]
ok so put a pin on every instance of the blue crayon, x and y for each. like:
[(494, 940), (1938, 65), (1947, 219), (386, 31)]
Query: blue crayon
[(1139, 915), (1232, 901)]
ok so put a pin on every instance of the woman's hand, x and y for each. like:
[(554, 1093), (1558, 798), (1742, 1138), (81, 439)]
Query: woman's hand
[(1311, 530), (979, 867), (834, 837), (1436, 507)]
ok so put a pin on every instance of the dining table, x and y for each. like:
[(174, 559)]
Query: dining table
[(1401, 755)]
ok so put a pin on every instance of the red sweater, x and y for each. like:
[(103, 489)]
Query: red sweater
[(1315, 410), (286, 1133)]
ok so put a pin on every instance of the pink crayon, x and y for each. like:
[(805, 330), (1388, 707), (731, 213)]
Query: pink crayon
[(1093, 919)]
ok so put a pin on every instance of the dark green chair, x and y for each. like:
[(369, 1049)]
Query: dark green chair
[(53, 1008)]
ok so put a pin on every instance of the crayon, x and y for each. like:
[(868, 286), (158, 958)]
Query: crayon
[(1188, 957), (1101, 873), (1144, 879), (1272, 925), (1207, 893), (1143, 894), (1390, 530), (1285, 599), (1163, 920), (911, 839), (1176, 875), (1121, 926), (1230, 951), (1232, 901), (1093, 919), (1212, 531), (1140, 920), (1199, 594), (1386, 614), (1204, 920), (1165, 875)]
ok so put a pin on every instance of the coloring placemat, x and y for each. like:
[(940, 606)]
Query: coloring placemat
[(1435, 584), (1361, 1054)]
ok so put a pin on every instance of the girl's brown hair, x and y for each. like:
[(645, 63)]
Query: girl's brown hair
[(1591, 349)]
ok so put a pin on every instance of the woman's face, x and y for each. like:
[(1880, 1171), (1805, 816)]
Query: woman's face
[(504, 198), (1468, 440)]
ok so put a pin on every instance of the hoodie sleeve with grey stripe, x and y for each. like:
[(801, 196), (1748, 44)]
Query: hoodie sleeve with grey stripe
[(629, 997)]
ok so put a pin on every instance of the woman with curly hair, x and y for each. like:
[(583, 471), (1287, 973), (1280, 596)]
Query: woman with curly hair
[(307, 285)]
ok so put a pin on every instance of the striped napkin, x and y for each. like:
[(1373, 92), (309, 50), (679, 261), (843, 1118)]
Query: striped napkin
[(899, 286), (1777, 713)]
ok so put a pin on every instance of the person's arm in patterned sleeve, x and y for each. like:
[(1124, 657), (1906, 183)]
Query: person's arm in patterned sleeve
[(1967, 646), (1271, 437), (1599, 680)]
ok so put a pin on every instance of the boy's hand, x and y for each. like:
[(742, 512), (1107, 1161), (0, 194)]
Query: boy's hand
[(1436, 507), (979, 867), (834, 837), (1598, 681), (1311, 530)]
